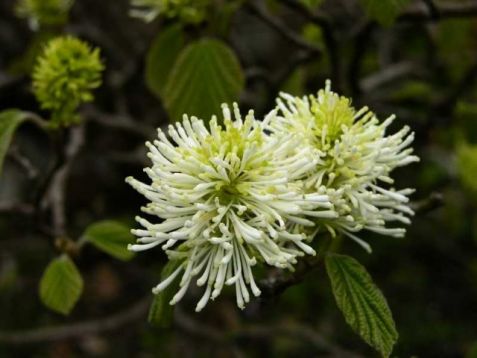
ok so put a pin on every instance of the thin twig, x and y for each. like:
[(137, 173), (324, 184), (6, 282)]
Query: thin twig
[(314, 16), (387, 75), (433, 9), (258, 331), (24, 162), (38, 121), (278, 281), (294, 330), (200, 330), (331, 43), (56, 190), (449, 9), (258, 9), (17, 208), (119, 122), (424, 206), (79, 329)]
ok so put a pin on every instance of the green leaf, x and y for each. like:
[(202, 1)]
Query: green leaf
[(161, 57), (161, 312), (206, 75), (111, 237), (362, 303), (9, 122), (384, 11), (61, 285)]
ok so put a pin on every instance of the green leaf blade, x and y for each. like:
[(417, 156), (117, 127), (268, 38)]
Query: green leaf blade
[(9, 122), (362, 303), (161, 57), (61, 285), (161, 312), (206, 74), (110, 237)]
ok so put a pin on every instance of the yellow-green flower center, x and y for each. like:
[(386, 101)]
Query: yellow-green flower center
[(331, 112)]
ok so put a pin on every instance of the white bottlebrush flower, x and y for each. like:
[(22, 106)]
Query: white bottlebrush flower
[(229, 197), (358, 157)]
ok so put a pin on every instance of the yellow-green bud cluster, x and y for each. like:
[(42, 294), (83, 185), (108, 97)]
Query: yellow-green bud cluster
[(65, 76)]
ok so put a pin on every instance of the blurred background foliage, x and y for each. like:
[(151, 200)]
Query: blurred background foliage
[(414, 58)]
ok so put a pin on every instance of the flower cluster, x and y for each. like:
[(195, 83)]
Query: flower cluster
[(230, 197), (64, 77), (248, 191), (357, 158), (44, 12), (189, 11)]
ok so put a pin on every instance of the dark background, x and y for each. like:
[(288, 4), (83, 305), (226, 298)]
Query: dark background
[(423, 68)]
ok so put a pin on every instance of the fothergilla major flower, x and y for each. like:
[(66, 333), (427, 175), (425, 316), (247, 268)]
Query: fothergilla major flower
[(357, 158), (229, 196)]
